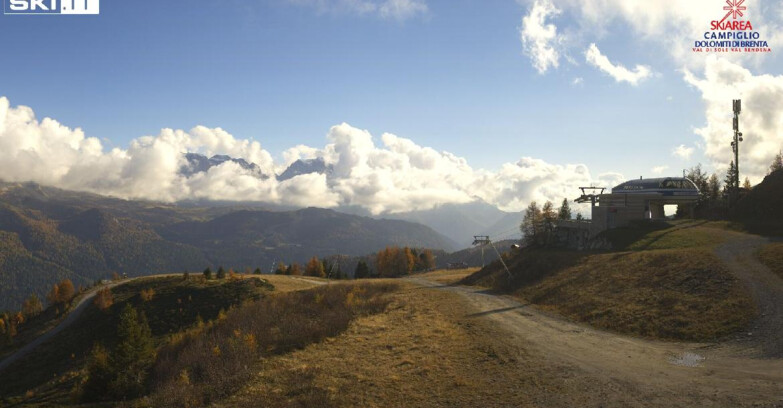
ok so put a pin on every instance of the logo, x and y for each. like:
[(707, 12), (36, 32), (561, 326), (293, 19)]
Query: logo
[(732, 34), (735, 9), (51, 6)]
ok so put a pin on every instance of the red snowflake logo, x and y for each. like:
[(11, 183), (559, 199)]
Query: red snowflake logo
[(735, 8)]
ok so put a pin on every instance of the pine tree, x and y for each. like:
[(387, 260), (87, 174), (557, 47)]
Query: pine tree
[(362, 270), (257, 271), (713, 187), (134, 355), (777, 163), (565, 211), (208, 273), (549, 218), (221, 273), (729, 181)]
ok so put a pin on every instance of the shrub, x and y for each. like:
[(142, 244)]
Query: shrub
[(103, 299)]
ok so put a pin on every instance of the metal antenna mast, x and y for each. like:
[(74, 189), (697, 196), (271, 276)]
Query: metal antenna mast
[(737, 107)]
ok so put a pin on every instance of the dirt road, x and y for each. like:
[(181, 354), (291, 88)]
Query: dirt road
[(616, 370), (765, 338), (72, 316), (283, 283)]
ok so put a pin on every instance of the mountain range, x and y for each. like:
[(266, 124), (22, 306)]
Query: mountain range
[(47, 234), (459, 222)]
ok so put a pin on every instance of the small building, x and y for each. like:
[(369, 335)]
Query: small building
[(637, 200)]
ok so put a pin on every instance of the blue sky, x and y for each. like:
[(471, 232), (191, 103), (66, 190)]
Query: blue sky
[(455, 78)]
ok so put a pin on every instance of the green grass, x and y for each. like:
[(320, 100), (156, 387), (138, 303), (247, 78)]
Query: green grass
[(663, 280), (772, 256), (670, 235), (51, 369), (683, 294)]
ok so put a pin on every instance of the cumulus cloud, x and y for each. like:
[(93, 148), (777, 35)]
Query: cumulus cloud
[(618, 72), (659, 169), (761, 120), (392, 174), (389, 9), (682, 152), (540, 40)]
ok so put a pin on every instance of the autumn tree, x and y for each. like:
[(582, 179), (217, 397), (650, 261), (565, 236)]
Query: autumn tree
[(565, 211), (32, 306), (61, 293), (315, 268), (103, 299), (362, 270), (53, 297), (746, 185), (147, 294), (532, 223), (296, 270), (280, 269), (426, 260)]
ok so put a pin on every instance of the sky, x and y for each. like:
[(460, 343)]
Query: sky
[(415, 103)]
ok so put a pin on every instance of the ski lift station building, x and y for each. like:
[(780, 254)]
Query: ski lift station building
[(637, 200)]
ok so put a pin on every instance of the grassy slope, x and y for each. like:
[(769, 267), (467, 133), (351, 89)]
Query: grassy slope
[(416, 354), (52, 368), (772, 256), (664, 282)]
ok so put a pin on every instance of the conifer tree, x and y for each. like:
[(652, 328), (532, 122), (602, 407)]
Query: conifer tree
[(565, 211), (362, 270)]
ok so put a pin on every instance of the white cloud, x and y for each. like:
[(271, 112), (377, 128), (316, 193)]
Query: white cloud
[(402, 9), (659, 169), (393, 176), (761, 120), (683, 152), (539, 38), (577, 81), (618, 72), (389, 9)]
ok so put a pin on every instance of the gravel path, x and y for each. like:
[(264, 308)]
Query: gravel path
[(737, 373), (72, 316), (765, 337)]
